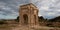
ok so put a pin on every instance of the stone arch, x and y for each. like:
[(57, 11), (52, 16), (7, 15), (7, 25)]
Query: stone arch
[(25, 17), (28, 14)]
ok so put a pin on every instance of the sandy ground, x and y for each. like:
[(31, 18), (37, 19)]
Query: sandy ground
[(35, 27), (26, 27)]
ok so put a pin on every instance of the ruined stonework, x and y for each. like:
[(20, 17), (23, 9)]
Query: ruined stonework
[(28, 14)]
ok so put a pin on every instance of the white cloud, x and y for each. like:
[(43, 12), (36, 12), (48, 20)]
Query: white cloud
[(51, 13), (57, 10), (44, 8), (47, 8)]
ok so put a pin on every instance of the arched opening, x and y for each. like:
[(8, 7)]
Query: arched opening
[(35, 18), (25, 17)]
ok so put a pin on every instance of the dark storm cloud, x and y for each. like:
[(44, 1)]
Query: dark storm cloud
[(10, 7)]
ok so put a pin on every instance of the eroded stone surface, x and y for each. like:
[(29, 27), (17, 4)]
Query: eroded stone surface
[(28, 14)]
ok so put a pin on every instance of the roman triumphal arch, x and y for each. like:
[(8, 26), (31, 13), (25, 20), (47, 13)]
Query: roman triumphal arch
[(28, 14)]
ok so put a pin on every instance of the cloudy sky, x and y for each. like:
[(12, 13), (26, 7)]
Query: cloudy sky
[(47, 8)]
